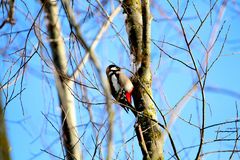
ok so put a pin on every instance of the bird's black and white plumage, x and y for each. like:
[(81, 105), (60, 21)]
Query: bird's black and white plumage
[(121, 86)]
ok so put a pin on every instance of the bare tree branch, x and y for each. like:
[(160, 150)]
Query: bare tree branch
[(96, 41), (10, 19)]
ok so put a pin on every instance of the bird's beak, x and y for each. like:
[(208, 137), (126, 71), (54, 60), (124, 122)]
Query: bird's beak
[(107, 70)]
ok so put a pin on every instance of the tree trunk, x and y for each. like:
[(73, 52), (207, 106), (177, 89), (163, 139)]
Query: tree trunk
[(138, 22), (64, 85)]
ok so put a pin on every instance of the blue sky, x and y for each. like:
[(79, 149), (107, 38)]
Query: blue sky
[(31, 133)]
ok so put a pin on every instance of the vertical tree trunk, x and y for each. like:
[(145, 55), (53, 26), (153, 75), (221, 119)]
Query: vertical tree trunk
[(64, 86), (148, 132), (4, 146)]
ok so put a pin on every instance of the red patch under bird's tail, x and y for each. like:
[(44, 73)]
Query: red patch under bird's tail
[(128, 96)]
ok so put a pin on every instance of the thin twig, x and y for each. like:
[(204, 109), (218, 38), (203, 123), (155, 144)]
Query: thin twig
[(237, 134), (199, 79)]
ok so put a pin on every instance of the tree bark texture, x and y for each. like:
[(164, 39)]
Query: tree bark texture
[(133, 25), (64, 85), (148, 131)]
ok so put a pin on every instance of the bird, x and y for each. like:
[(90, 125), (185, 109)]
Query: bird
[(121, 86)]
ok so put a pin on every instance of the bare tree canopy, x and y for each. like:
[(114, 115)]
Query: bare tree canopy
[(180, 57)]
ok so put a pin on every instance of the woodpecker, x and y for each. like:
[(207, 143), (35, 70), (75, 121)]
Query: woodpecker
[(121, 86)]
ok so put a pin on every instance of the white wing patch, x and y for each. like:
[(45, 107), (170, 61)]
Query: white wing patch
[(115, 83)]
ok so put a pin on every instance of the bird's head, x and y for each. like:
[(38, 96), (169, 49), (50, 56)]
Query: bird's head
[(112, 68)]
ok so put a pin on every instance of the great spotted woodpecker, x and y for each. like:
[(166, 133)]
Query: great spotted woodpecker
[(121, 86)]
